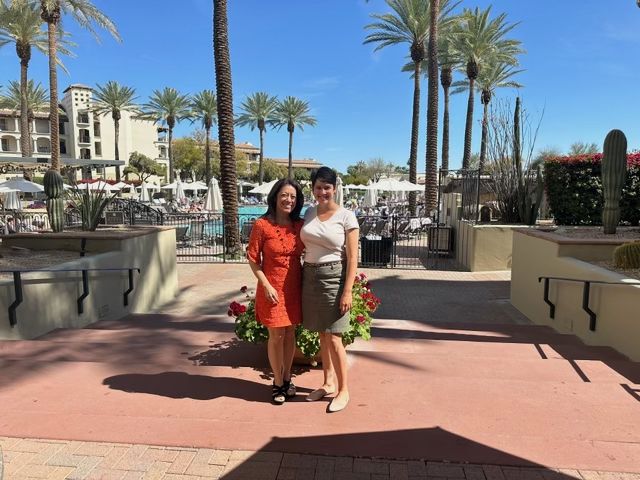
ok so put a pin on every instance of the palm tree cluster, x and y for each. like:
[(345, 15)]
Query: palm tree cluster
[(469, 42)]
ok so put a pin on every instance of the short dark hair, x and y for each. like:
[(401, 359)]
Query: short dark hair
[(324, 174), (272, 199)]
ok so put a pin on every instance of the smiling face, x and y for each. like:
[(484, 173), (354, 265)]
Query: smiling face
[(286, 199), (323, 192)]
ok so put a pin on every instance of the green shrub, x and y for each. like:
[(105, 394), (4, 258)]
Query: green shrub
[(574, 189)]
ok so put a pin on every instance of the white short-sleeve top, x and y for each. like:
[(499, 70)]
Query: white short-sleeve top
[(325, 241)]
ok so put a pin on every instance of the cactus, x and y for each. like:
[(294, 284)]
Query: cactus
[(614, 173), (54, 189), (627, 255)]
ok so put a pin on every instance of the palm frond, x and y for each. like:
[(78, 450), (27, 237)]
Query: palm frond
[(113, 98), (292, 112), (258, 110)]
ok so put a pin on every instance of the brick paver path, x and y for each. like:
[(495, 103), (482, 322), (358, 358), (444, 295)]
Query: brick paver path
[(59, 460)]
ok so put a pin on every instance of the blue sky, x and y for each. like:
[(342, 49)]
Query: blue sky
[(582, 67)]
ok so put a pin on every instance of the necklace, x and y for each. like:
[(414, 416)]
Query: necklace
[(281, 236)]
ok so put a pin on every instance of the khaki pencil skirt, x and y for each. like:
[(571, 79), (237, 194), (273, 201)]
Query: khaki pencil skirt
[(322, 287)]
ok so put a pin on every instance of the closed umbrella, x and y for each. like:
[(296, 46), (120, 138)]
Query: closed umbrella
[(144, 192), (370, 198), (179, 191), (12, 202), (213, 202), (338, 195)]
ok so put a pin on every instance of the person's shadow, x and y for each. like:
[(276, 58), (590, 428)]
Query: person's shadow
[(184, 385)]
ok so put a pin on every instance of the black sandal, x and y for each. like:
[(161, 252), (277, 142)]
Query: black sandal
[(278, 392), (289, 388)]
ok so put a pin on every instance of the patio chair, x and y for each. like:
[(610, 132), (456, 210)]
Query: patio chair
[(380, 226), (181, 236), (245, 232), (365, 228)]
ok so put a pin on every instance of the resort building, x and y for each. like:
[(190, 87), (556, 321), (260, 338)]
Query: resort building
[(253, 155), (85, 135)]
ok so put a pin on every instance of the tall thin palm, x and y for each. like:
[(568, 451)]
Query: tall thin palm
[(226, 137), (168, 107), (495, 75), (292, 112), (113, 98), (86, 14), (259, 109), (21, 23), (431, 160), (205, 109), (408, 24), (37, 100), (481, 41)]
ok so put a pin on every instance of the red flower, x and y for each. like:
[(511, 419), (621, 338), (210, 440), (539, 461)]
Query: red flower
[(230, 313), (367, 285), (243, 289), (357, 279), (360, 318), (362, 275), (242, 309)]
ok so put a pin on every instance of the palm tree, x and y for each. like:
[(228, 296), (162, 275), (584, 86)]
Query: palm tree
[(168, 107), (494, 75), (259, 109), (226, 137), (37, 100), (21, 23), (431, 172), (292, 112), (86, 14), (481, 41), (205, 108), (113, 98), (408, 24)]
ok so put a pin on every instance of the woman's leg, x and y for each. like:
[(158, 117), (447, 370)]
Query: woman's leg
[(289, 349), (328, 387), (339, 360), (275, 350)]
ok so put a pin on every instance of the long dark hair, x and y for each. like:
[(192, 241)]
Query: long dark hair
[(272, 199), (324, 174)]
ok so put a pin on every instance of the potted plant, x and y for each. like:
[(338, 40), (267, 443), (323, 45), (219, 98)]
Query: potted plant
[(307, 342)]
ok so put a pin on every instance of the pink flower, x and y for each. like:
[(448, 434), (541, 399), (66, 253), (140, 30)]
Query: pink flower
[(362, 275), (360, 318)]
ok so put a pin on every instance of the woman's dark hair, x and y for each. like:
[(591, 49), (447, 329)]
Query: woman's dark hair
[(272, 199), (324, 174)]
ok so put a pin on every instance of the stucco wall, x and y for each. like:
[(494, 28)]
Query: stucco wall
[(484, 247), (616, 307), (50, 300)]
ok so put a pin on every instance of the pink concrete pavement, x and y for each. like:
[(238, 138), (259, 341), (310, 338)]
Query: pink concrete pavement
[(476, 386)]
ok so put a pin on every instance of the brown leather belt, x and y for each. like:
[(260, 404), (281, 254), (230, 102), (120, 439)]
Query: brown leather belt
[(308, 264)]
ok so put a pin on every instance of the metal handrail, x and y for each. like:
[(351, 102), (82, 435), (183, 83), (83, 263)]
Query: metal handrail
[(585, 295), (17, 284)]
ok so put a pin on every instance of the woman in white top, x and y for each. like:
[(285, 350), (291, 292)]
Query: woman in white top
[(327, 281)]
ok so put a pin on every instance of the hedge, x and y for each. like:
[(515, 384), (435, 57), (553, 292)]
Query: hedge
[(574, 189)]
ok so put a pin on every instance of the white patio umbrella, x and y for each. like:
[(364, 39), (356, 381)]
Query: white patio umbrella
[(170, 186), (121, 185), (353, 186), (265, 188), (370, 198), (99, 185), (194, 186), (213, 202), (179, 191), (22, 185), (338, 195), (392, 185)]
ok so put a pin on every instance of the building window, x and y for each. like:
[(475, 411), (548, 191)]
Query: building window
[(61, 130), (98, 148), (3, 124), (63, 147), (5, 145)]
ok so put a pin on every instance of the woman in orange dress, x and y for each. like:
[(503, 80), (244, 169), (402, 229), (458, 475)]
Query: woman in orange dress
[(274, 255)]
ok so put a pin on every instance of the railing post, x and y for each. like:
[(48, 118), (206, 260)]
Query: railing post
[(85, 291), (585, 306), (17, 286)]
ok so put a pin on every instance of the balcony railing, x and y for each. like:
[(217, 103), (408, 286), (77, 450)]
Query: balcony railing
[(44, 149), (163, 138), (42, 129), (85, 156), (84, 139), (83, 118)]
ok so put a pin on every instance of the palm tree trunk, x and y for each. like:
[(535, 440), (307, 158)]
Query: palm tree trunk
[(207, 155), (226, 137), (261, 164), (431, 175), (290, 155), (415, 131), (171, 176), (53, 98), (483, 142), (468, 127), (445, 131), (25, 140), (116, 127)]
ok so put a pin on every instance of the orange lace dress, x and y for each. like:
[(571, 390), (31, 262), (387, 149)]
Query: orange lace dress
[(278, 248)]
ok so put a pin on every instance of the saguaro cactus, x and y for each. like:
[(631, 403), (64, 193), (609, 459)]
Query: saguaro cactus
[(54, 189), (627, 255), (614, 174)]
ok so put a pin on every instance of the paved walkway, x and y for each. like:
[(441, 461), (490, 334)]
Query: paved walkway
[(452, 373)]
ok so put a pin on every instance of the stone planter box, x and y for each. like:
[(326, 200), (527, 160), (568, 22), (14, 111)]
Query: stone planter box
[(484, 247), (50, 299), (538, 253)]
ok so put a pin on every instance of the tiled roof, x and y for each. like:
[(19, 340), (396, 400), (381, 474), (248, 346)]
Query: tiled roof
[(76, 85), (11, 113), (298, 162)]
